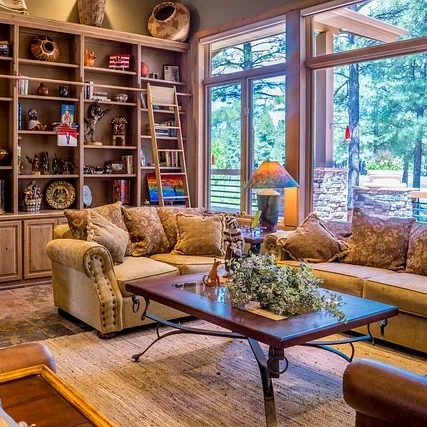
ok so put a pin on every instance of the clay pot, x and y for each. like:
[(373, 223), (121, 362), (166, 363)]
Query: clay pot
[(91, 12), (144, 70), (44, 48), (43, 90), (170, 21)]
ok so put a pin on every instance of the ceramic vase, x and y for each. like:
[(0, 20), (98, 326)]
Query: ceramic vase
[(144, 70), (43, 90), (44, 48), (91, 12), (170, 21)]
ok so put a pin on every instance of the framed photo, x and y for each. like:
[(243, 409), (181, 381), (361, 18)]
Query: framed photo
[(67, 114), (117, 166), (171, 73), (173, 186), (119, 61)]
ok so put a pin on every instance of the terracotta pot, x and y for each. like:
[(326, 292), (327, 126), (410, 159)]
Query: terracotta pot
[(144, 70), (43, 90), (44, 48), (170, 21), (91, 12)]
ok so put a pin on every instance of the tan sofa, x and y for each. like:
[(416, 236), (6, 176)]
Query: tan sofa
[(405, 290), (87, 284)]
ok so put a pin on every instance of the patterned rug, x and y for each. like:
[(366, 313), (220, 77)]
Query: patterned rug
[(194, 381)]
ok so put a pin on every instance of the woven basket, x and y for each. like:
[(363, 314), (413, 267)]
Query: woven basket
[(91, 12), (170, 21)]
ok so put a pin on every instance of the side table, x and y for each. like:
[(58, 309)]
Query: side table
[(255, 240)]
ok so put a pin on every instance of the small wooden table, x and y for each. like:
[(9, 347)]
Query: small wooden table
[(255, 240), (38, 396), (190, 295)]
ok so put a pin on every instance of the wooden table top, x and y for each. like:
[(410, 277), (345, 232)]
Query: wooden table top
[(294, 330)]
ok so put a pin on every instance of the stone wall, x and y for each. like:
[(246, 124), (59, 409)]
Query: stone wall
[(384, 201), (330, 193)]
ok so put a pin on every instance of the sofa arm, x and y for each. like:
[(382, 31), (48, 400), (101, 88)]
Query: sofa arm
[(382, 392), (24, 356), (272, 244)]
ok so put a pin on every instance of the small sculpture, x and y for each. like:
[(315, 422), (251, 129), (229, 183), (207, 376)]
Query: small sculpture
[(89, 58), (45, 163), (63, 91), (94, 115), (212, 279), (55, 165), (43, 90), (67, 166), (35, 164), (33, 120), (119, 130), (32, 197)]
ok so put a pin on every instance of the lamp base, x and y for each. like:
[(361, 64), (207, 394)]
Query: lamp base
[(268, 203)]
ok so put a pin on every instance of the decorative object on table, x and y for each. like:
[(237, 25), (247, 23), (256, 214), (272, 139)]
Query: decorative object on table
[(270, 175), (212, 278), (89, 58), (60, 194), (35, 164), (128, 162), (93, 115), (121, 191), (91, 12), (171, 73), (233, 241), (256, 221), (280, 289), (44, 48), (3, 154), (67, 166), (17, 6), (34, 122), (172, 185), (119, 130), (63, 91), (117, 166), (67, 113), (55, 165), (145, 71), (2, 210), (66, 135), (120, 97), (45, 163), (119, 61), (170, 21), (43, 90), (32, 197), (87, 196)]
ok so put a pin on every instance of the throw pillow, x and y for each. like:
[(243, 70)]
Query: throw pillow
[(200, 235), (417, 250), (340, 229), (379, 242), (168, 219), (104, 232), (313, 242), (146, 231)]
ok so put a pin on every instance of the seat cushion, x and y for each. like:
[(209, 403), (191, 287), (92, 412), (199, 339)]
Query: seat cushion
[(187, 264), (141, 268), (406, 291), (346, 278)]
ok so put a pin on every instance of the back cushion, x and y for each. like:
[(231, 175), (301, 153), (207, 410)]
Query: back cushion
[(417, 251)]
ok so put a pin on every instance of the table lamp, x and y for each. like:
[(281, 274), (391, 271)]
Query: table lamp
[(270, 175)]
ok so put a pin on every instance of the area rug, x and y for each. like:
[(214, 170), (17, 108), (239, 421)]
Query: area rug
[(194, 381)]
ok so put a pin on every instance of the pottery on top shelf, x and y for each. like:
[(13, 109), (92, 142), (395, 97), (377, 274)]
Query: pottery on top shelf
[(91, 12), (170, 21), (44, 48)]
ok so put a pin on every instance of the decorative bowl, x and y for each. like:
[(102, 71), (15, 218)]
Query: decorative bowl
[(120, 97)]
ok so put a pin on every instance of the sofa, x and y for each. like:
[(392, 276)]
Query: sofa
[(362, 269), (89, 285)]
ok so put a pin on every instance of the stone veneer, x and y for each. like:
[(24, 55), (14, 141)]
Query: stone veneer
[(330, 193), (384, 201)]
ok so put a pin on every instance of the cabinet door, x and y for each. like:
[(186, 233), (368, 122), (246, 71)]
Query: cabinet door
[(37, 234), (61, 221), (10, 251)]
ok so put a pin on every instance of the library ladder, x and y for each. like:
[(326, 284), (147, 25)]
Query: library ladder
[(167, 158)]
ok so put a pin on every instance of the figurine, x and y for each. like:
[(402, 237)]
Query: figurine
[(119, 131), (108, 169), (33, 120), (63, 91), (32, 197), (67, 166), (89, 58), (45, 163), (43, 90), (233, 242), (94, 115), (212, 279), (55, 166), (35, 164)]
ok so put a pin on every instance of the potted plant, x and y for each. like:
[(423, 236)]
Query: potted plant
[(385, 170)]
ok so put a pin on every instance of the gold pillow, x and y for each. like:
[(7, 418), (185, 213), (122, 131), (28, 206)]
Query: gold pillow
[(146, 231), (379, 242), (417, 250), (200, 235), (313, 242), (104, 232), (168, 219)]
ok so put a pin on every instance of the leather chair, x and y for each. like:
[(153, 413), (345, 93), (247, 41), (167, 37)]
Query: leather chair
[(384, 395)]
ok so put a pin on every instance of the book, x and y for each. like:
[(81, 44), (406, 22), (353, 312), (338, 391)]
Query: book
[(19, 116)]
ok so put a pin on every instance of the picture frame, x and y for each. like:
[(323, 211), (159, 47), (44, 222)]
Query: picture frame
[(173, 186), (119, 61), (171, 73), (67, 114), (117, 166)]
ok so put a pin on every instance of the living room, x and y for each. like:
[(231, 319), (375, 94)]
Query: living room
[(243, 179)]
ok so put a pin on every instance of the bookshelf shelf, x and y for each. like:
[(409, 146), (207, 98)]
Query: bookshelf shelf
[(110, 147), (50, 176), (125, 104), (49, 98), (36, 63), (110, 175), (145, 110), (161, 81), (36, 132), (109, 71)]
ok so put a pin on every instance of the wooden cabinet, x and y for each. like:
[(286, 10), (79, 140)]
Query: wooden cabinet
[(10, 251), (37, 234)]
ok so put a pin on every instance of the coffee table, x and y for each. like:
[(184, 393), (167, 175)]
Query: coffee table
[(190, 295)]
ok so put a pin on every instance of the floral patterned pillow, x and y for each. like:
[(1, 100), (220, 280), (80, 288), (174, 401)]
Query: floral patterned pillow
[(379, 242), (417, 251)]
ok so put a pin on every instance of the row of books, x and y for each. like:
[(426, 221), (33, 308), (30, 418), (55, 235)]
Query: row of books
[(22, 85), (169, 158), (163, 131)]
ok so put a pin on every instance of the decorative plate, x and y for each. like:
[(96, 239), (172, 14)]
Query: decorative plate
[(60, 194), (87, 196)]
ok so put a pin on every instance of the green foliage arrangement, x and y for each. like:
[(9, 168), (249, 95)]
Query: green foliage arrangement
[(280, 289), (385, 160)]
